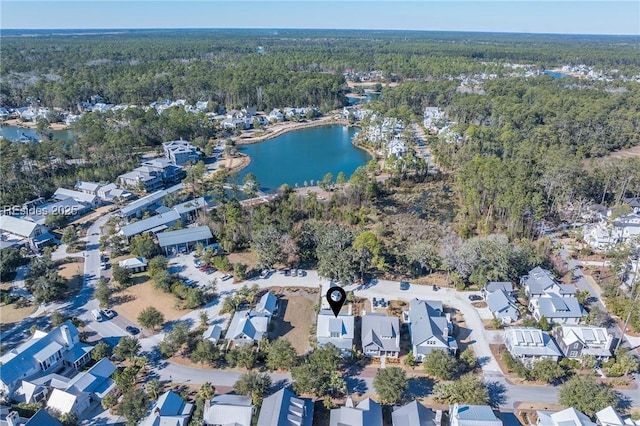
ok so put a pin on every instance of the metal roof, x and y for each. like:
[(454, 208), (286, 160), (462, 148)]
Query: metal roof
[(141, 226), (182, 236)]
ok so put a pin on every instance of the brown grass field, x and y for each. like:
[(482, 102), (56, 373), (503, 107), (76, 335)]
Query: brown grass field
[(297, 320)]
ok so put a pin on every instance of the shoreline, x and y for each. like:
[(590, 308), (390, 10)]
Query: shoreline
[(289, 127), (31, 125)]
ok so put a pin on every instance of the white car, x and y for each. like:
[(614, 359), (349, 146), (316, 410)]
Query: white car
[(108, 313), (226, 277)]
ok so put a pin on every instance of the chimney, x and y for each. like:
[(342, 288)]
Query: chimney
[(66, 335), (13, 419), (349, 403), (207, 404), (156, 412)]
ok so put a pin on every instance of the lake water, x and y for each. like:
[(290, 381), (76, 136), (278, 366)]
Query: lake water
[(555, 74), (14, 132), (303, 155)]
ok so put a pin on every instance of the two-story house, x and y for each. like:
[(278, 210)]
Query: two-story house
[(181, 152), (380, 336), (530, 345), (578, 340), (550, 299), (338, 331), (429, 328)]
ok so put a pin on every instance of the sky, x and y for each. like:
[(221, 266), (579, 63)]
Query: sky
[(523, 16)]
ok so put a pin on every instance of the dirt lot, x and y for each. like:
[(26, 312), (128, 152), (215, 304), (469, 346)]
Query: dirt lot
[(249, 258), (12, 313), (92, 216), (73, 271), (130, 301), (296, 315)]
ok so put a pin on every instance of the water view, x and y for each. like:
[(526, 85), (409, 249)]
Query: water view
[(14, 133), (303, 155)]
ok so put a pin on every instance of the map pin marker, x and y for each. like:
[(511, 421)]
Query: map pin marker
[(336, 298)]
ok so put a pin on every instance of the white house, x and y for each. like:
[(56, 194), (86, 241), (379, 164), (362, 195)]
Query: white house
[(41, 354), (227, 410), (429, 328), (338, 331), (530, 344), (169, 409), (181, 152), (134, 264)]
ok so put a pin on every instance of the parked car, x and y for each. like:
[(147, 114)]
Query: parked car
[(108, 313), (435, 288), (294, 272), (404, 285), (226, 277), (475, 297), (132, 330), (265, 273)]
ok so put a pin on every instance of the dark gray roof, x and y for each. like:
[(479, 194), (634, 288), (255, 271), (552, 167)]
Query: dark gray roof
[(539, 279), (41, 418), (283, 408), (500, 301), (554, 306), (426, 322), (182, 236), (148, 200), (499, 285), (413, 414), (141, 226)]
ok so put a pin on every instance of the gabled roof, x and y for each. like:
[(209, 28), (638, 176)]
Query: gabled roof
[(182, 236), (500, 301), (249, 323), (212, 333), (170, 410), (42, 417), (381, 331), (413, 414), (143, 225), (229, 410), (538, 280), (267, 303), (283, 408), (568, 417), (367, 413), (499, 285), (148, 200), (427, 322), (22, 359), (553, 306), (87, 186), (528, 341), (63, 401), (81, 197), (96, 379), (13, 225), (190, 205), (609, 417), (133, 262), (343, 325)]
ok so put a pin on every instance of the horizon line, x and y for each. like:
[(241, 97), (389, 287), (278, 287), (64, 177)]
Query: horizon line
[(320, 29)]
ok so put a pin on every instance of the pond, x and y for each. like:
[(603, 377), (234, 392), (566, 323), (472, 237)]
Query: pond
[(14, 133), (302, 156)]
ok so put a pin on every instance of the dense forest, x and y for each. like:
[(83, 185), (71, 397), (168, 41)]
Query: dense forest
[(529, 147)]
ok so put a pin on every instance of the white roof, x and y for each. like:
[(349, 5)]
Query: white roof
[(13, 225), (61, 401), (568, 417), (81, 197), (133, 262)]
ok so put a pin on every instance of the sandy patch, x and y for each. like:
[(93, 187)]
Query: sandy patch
[(94, 215), (11, 314), (131, 301), (295, 322), (249, 258), (281, 128)]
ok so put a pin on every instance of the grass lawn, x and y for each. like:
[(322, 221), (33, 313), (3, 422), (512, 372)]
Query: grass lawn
[(130, 301), (295, 318), (12, 313), (249, 258)]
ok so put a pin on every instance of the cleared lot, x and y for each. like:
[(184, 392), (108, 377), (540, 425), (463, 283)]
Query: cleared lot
[(295, 318)]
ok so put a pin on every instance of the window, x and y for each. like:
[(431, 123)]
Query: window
[(573, 354)]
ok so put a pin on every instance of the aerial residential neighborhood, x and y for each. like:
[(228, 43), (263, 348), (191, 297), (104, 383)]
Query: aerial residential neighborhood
[(421, 225)]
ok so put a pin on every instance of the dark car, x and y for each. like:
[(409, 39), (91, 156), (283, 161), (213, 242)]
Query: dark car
[(132, 330), (474, 297), (404, 285)]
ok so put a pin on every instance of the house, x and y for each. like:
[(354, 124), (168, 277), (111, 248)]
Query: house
[(335, 330), (472, 415), (96, 381), (212, 333), (268, 304), (503, 306), (153, 224), (415, 414), (609, 417), (148, 202), (396, 147), (380, 336), (134, 264), (247, 327), (141, 179), (169, 409), (634, 203), (570, 416), (42, 354), (577, 340), (550, 299), (40, 418), (557, 310), (429, 328), (34, 234), (530, 344), (431, 116), (90, 200), (284, 408), (188, 209), (68, 401), (367, 413), (184, 240), (609, 232), (90, 188), (492, 286), (152, 175), (110, 192), (181, 152), (236, 410)]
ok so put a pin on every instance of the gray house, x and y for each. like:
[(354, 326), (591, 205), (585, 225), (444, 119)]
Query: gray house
[(530, 344), (367, 413), (283, 408), (415, 414), (577, 340), (170, 409), (380, 336), (429, 328), (558, 310), (503, 306)]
